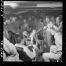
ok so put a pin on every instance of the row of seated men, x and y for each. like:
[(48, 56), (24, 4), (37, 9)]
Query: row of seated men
[(35, 52), (29, 51), (26, 43)]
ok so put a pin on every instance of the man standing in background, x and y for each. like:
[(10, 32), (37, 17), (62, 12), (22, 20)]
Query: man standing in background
[(47, 32)]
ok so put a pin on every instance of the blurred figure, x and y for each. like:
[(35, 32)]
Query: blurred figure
[(53, 20), (47, 32), (25, 26), (13, 19), (25, 34), (24, 21), (32, 35), (55, 50), (31, 22), (4, 56), (28, 42), (58, 26), (12, 36), (5, 33), (10, 49), (7, 22), (25, 37)]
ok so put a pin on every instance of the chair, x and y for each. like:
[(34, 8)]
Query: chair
[(54, 60), (60, 59)]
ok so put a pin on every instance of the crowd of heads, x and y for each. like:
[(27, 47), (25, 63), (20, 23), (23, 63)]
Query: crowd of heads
[(29, 29), (32, 22), (54, 19)]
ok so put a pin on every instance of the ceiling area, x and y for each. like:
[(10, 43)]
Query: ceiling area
[(19, 7)]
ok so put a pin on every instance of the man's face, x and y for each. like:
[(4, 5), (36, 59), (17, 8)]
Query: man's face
[(47, 19), (52, 32), (24, 21), (57, 20), (52, 18), (13, 19)]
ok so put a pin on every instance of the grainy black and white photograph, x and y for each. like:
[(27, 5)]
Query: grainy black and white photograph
[(32, 31)]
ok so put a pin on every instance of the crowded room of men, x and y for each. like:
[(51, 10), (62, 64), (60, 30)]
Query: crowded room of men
[(32, 31)]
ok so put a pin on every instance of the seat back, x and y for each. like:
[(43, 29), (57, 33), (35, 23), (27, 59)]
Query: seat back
[(60, 59)]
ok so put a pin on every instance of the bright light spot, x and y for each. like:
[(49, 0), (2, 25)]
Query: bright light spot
[(50, 5), (13, 5)]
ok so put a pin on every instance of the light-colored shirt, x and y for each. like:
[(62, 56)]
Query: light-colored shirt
[(32, 35), (28, 52), (58, 40), (8, 47), (48, 27)]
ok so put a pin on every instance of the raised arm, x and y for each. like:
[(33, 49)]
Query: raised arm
[(58, 28)]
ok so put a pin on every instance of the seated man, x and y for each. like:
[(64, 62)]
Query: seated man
[(27, 52), (48, 35), (55, 50), (25, 37), (10, 49), (58, 25)]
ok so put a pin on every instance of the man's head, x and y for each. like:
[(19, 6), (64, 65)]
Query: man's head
[(53, 19), (57, 20), (28, 42), (34, 31), (52, 32), (24, 20), (25, 34), (13, 19), (47, 19)]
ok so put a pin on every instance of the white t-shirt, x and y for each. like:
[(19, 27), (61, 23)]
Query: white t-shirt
[(49, 25), (58, 40), (29, 53)]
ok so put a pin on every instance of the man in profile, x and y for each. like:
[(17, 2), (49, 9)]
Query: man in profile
[(55, 50)]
